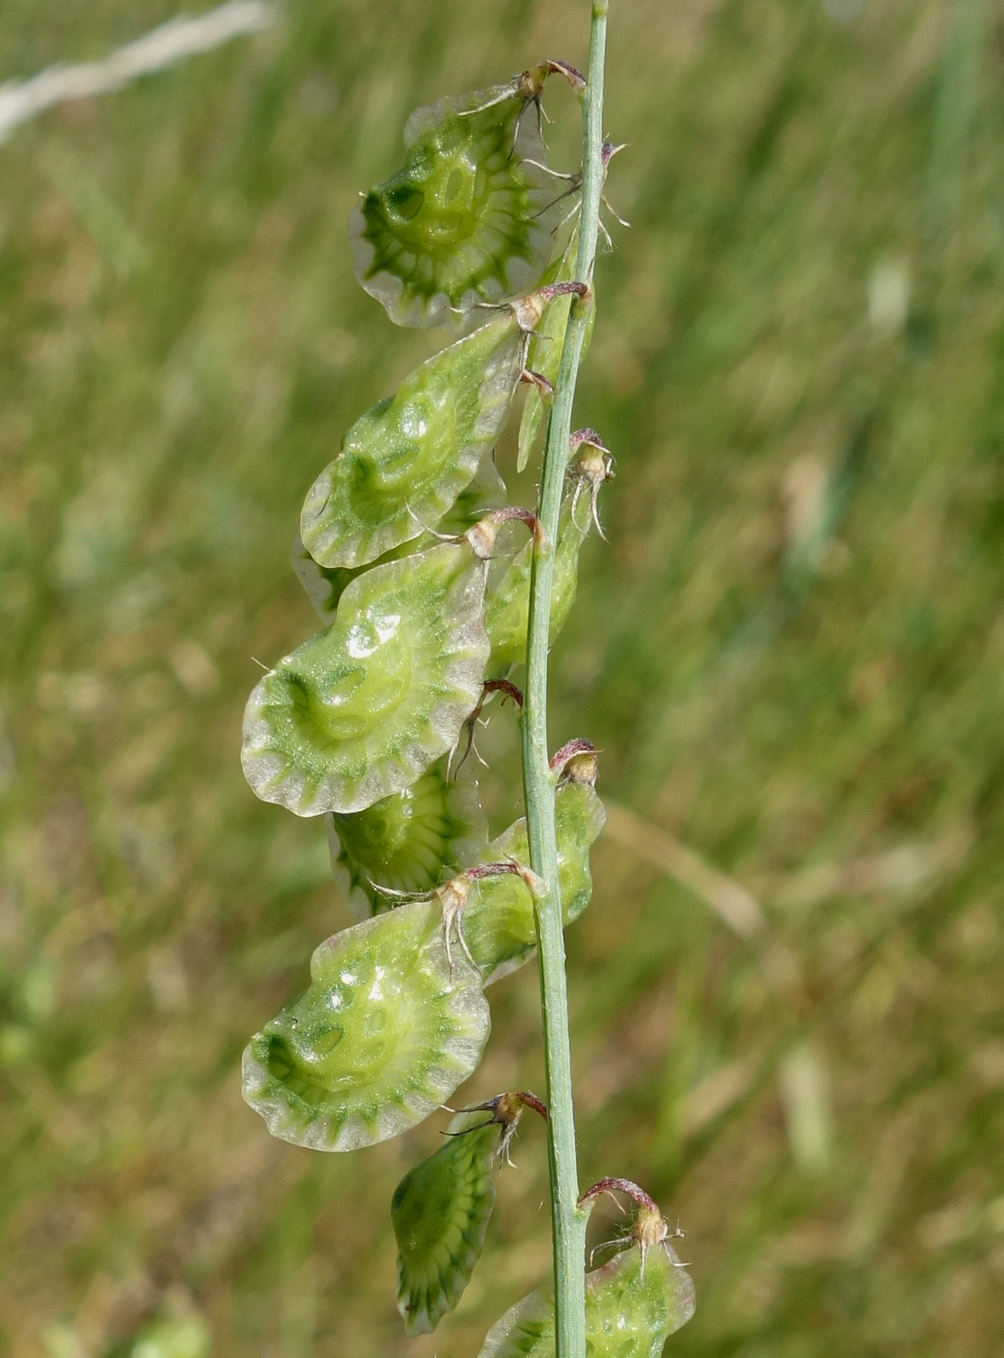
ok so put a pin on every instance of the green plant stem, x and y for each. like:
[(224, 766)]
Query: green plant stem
[(568, 1221)]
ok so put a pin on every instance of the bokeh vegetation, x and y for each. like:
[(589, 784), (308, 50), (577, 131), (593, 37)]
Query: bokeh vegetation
[(790, 653)]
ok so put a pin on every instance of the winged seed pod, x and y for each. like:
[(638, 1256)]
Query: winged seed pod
[(325, 585), (406, 843), (544, 354), (363, 708), (387, 1030), (441, 1208), (403, 464), (469, 217), (633, 1304), (498, 916), (507, 601), (440, 1212)]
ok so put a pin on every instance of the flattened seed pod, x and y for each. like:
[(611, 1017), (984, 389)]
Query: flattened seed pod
[(386, 1031), (631, 1310), (360, 710), (403, 464), (408, 842), (498, 919), (507, 601), (325, 585), (545, 351), (440, 1213), (468, 219)]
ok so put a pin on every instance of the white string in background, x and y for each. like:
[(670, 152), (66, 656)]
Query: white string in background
[(163, 46)]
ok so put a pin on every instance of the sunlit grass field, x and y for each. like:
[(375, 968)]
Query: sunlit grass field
[(787, 995)]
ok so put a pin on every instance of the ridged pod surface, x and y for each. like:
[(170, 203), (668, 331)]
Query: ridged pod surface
[(325, 585), (403, 464), (363, 708), (385, 1032), (440, 1213), (498, 918), (631, 1310), (408, 842), (467, 220), (507, 600)]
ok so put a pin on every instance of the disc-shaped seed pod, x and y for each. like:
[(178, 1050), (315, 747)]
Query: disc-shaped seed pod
[(498, 916), (440, 1213), (467, 220), (407, 843), (363, 708), (507, 600), (403, 464), (386, 1031), (325, 585), (633, 1304)]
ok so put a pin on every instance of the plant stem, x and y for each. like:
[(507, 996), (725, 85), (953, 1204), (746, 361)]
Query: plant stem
[(568, 1221)]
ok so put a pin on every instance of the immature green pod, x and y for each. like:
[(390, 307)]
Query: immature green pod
[(406, 843), (498, 916), (440, 1213), (387, 1029), (325, 585), (403, 464), (633, 1304), (507, 601), (544, 354), (467, 220), (363, 708)]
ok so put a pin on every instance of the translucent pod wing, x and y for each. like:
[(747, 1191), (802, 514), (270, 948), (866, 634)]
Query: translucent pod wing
[(467, 220), (440, 1213), (409, 842), (545, 350), (507, 601), (403, 464), (363, 708), (325, 585), (631, 1310), (498, 918), (385, 1032)]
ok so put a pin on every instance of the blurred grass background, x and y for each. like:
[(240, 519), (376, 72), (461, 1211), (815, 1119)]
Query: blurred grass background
[(791, 654)]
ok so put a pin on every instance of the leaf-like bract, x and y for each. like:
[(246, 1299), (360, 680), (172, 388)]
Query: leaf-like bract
[(467, 220), (403, 464), (386, 1031), (507, 601), (498, 918), (360, 710), (408, 842), (631, 1310), (440, 1212)]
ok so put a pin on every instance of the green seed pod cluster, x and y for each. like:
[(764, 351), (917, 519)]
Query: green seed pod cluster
[(358, 723), (423, 610)]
